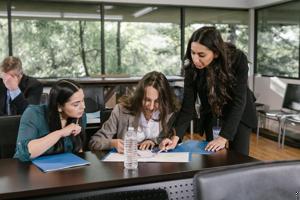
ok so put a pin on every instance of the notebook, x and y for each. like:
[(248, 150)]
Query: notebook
[(58, 161)]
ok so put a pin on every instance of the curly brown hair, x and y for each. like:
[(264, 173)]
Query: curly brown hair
[(219, 74)]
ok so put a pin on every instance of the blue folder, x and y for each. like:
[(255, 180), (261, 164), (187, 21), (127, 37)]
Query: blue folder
[(58, 161), (192, 146)]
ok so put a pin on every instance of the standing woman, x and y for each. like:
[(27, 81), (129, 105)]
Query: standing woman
[(54, 128), (218, 73)]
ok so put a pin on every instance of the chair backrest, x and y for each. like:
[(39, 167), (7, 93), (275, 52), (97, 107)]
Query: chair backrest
[(9, 126), (94, 98), (92, 129), (154, 194), (291, 98), (178, 91), (104, 115), (44, 98), (274, 180)]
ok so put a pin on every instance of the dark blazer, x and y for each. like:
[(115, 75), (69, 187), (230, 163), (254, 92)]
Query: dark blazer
[(31, 91), (241, 109)]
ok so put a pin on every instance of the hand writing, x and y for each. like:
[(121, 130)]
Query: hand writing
[(118, 144), (167, 143)]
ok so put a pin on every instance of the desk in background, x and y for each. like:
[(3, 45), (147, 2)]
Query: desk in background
[(26, 181), (111, 85), (93, 118)]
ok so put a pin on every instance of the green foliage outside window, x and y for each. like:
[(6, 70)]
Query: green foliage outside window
[(64, 40), (233, 33), (278, 40), (3, 38), (57, 48), (145, 47)]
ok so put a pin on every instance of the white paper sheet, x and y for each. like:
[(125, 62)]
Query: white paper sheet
[(160, 157)]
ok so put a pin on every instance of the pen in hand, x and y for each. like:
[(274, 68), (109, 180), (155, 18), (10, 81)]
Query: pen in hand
[(165, 145), (162, 150), (74, 131)]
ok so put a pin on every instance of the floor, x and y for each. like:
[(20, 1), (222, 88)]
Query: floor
[(266, 149)]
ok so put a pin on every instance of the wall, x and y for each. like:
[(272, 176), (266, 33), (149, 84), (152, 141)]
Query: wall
[(270, 90), (261, 3)]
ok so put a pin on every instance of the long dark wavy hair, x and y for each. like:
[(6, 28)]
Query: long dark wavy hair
[(60, 93), (219, 74), (167, 99)]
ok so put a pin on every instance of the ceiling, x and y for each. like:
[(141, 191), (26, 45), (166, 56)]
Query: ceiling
[(245, 4), (90, 10)]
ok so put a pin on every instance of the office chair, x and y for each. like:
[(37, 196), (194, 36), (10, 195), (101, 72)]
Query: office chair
[(154, 194), (94, 98), (263, 115), (275, 180), (178, 91), (290, 120), (104, 115), (44, 98), (290, 106), (9, 126), (91, 129)]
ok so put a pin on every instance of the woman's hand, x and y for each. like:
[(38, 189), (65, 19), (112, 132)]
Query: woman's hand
[(167, 143), (146, 144), (37, 147), (118, 144), (71, 129), (217, 144)]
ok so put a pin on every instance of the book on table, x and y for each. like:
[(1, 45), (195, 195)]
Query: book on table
[(56, 162)]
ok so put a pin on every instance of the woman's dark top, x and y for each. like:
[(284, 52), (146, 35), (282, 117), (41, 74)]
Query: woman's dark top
[(241, 109)]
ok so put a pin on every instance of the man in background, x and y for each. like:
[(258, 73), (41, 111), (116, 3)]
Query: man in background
[(16, 89)]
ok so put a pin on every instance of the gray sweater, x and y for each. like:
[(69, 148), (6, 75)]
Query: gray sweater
[(116, 127)]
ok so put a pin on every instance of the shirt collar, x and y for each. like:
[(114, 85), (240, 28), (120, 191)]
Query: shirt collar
[(144, 122)]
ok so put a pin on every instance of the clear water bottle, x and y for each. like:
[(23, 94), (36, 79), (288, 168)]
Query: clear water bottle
[(130, 149)]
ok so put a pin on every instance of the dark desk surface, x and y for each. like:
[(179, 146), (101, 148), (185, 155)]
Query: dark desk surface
[(19, 179)]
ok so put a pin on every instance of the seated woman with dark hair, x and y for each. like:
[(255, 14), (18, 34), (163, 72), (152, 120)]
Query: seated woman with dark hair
[(54, 128)]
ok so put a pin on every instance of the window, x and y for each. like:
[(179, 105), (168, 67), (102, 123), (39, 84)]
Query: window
[(3, 31), (278, 35), (63, 39), (57, 39), (233, 24), (142, 38)]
